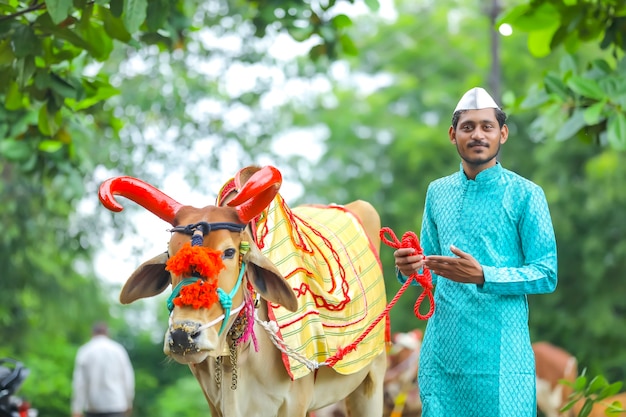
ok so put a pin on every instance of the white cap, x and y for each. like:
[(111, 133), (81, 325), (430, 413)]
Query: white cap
[(475, 99)]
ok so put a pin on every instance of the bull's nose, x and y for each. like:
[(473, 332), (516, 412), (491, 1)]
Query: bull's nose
[(181, 338)]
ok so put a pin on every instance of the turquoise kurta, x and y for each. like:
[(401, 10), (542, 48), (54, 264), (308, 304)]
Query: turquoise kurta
[(476, 359)]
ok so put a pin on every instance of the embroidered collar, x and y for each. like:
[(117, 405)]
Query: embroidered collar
[(484, 176)]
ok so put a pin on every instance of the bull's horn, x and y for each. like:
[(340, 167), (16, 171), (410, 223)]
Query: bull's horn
[(257, 193), (141, 193)]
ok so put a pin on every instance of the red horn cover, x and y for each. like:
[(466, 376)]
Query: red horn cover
[(257, 193), (142, 193)]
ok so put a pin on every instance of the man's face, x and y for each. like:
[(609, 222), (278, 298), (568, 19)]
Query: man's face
[(478, 137)]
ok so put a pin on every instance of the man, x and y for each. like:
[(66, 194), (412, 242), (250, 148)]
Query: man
[(103, 383), (488, 240)]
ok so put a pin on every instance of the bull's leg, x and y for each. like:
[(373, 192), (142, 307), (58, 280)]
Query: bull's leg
[(367, 399)]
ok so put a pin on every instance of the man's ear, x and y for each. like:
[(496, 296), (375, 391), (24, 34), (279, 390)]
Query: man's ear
[(504, 133), (452, 134)]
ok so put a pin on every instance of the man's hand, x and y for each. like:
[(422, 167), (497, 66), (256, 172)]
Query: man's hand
[(464, 269), (407, 261)]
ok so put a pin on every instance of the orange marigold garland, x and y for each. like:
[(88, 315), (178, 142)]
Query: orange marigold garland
[(204, 261), (197, 295)]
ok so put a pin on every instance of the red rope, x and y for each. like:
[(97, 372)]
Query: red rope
[(409, 240), (341, 352)]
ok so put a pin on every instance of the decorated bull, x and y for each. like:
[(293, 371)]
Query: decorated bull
[(276, 311)]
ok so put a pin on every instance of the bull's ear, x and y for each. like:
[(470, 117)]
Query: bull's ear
[(148, 280), (268, 281)]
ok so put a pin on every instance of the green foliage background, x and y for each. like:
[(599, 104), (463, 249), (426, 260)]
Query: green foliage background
[(146, 88)]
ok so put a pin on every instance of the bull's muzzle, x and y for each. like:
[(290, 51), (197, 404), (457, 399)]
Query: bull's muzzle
[(182, 339)]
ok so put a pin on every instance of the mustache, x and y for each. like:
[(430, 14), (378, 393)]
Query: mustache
[(478, 143)]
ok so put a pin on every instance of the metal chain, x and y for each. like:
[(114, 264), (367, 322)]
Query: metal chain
[(233, 363), (218, 371)]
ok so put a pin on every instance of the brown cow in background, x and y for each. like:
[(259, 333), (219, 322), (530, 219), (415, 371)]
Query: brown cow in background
[(402, 396), (552, 365)]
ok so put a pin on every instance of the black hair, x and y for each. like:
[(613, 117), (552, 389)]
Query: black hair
[(500, 117)]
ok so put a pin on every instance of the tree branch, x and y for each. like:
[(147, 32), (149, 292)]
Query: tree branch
[(31, 8)]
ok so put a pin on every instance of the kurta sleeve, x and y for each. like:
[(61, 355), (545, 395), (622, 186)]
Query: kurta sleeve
[(538, 274), (429, 237)]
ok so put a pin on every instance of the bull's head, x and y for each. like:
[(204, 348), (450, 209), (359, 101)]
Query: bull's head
[(210, 262)]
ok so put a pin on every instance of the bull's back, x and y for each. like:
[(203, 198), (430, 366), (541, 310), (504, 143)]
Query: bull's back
[(369, 218), (330, 255)]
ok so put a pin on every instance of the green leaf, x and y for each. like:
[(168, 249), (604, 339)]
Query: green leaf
[(568, 64), (593, 113), (117, 7), (596, 384), (20, 126), (25, 70), (114, 26), (373, 5), (300, 34), (58, 9), (586, 408), (616, 131), (62, 87), (555, 85), (100, 44), (15, 150), (535, 97), (348, 46), (25, 42), (539, 41), (6, 53), (63, 33), (157, 13), (102, 93), (134, 14), (586, 87), (327, 33), (571, 126), (50, 146), (601, 65), (43, 121), (342, 21), (612, 389), (531, 19), (13, 99)]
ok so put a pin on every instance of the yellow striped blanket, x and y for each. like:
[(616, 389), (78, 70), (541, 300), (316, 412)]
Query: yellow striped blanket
[(328, 259)]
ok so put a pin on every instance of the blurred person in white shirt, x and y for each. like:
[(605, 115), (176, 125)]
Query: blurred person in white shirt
[(103, 383)]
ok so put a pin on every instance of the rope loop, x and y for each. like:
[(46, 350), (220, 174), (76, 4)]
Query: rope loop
[(424, 279)]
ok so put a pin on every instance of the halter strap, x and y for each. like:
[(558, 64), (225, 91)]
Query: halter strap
[(206, 227), (226, 300)]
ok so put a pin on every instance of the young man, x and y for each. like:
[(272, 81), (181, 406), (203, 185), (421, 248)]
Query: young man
[(489, 242)]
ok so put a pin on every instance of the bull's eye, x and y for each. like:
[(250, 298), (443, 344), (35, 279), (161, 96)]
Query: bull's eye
[(229, 253)]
